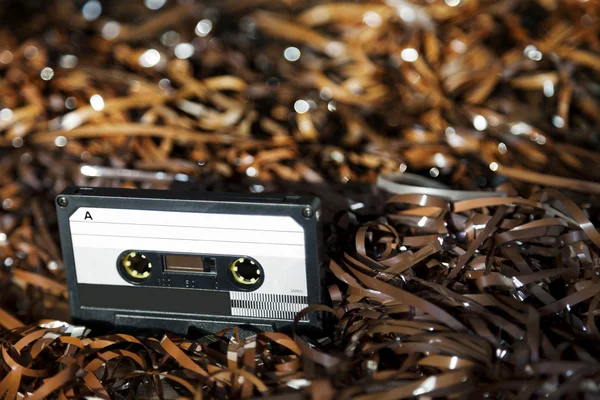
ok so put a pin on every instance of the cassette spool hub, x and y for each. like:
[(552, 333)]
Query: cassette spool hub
[(136, 265), (246, 272)]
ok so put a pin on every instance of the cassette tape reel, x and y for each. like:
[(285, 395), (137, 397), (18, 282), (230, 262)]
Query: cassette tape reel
[(172, 260)]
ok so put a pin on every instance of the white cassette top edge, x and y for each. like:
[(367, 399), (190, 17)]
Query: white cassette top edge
[(186, 219)]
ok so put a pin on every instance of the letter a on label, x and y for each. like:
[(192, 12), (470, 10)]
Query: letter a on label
[(88, 216)]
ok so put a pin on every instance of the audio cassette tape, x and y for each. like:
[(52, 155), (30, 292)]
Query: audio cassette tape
[(152, 259)]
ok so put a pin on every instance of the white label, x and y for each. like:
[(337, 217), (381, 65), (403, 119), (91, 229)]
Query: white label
[(100, 235)]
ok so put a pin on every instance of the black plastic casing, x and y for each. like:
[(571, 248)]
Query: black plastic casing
[(303, 209)]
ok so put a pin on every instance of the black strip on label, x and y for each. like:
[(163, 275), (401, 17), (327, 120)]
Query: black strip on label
[(139, 298)]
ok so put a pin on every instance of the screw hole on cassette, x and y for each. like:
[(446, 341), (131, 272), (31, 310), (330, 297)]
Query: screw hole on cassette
[(308, 212), (134, 266), (62, 201), (246, 273)]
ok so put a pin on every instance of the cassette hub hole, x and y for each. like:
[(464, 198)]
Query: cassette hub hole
[(136, 265), (245, 271)]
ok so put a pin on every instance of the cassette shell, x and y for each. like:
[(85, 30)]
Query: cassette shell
[(210, 299)]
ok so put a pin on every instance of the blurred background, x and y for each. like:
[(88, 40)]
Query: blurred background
[(290, 96)]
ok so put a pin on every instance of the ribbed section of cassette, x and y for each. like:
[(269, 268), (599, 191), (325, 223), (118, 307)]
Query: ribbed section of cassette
[(262, 305)]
